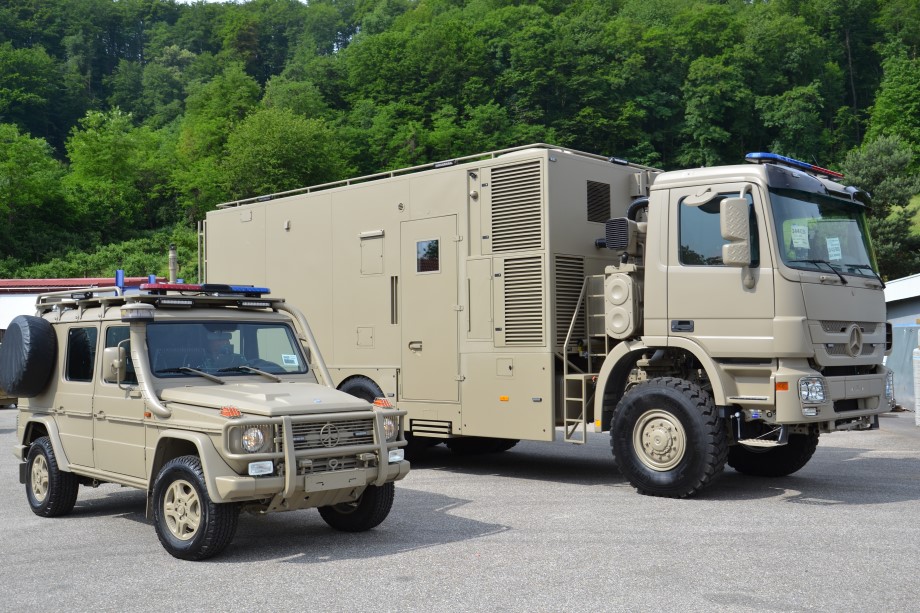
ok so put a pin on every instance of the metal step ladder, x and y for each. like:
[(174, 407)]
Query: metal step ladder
[(578, 392)]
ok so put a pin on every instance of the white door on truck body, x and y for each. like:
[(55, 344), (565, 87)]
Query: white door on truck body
[(708, 301), (429, 309)]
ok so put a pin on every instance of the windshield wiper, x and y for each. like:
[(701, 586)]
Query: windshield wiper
[(268, 375), (187, 369), (870, 269), (826, 263)]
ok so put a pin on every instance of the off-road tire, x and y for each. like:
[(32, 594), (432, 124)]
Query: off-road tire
[(189, 525), (774, 461), (27, 356), (476, 445), (667, 438), (51, 492), (365, 513)]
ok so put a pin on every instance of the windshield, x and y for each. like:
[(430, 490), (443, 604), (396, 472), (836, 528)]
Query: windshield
[(224, 348), (822, 233)]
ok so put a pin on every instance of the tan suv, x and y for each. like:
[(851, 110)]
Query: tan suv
[(211, 398)]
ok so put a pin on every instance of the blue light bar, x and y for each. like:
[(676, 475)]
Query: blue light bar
[(766, 158), (246, 290)]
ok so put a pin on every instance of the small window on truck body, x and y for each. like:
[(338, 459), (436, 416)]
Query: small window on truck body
[(81, 354), (701, 237)]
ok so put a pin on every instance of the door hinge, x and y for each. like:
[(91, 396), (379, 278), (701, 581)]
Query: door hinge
[(457, 239), (460, 378), (458, 307)]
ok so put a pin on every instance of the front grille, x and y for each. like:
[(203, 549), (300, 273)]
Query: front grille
[(333, 434), (867, 327), (841, 349)]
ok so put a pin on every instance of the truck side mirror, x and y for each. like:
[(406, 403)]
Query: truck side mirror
[(736, 229), (113, 364)]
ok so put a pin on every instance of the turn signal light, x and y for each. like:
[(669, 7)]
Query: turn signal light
[(230, 412)]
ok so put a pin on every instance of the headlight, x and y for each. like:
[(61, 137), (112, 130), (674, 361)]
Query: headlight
[(390, 429), (811, 390), (255, 439)]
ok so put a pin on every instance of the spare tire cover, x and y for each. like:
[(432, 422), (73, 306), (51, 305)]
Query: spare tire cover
[(27, 356)]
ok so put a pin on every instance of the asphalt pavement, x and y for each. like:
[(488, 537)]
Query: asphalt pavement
[(543, 527)]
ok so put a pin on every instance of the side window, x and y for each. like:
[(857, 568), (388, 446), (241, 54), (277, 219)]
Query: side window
[(81, 353), (115, 335), (701, 237)]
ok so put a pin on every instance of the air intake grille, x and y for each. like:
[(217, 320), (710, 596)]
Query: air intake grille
[(524, 301), (517, 208), (570, 275), (598, 202)]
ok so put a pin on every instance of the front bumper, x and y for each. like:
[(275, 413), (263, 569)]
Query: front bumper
[(847, 397)]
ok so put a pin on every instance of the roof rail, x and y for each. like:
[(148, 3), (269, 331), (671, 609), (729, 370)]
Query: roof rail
[(430, 166)]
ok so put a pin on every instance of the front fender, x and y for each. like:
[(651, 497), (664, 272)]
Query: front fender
[(212, 463)]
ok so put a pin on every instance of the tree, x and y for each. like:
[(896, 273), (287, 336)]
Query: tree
[(275, 150)]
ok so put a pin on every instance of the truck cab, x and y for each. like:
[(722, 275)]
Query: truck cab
[(756, 284)]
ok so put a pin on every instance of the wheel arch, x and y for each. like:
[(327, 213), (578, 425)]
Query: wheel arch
[(177, 443), (611, 380), (36, 428)]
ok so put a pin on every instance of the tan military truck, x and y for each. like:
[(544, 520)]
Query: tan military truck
[(210, 398), (700, 316)]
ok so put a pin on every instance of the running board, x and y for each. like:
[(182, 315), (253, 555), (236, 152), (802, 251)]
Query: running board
[(781, 440)]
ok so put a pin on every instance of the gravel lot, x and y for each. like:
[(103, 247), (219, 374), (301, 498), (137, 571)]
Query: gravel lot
[(543, 527)]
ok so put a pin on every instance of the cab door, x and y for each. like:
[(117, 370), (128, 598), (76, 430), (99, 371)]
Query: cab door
[(708, 302), (430, 310), (119, 417)]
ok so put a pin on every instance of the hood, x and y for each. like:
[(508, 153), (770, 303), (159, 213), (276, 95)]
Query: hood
[(266, 399), (843, 303)]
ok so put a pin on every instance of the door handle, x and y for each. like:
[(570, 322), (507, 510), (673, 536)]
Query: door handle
[(415, 345), (100, 415)]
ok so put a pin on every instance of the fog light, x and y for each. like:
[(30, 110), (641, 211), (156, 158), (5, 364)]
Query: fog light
[(397, 455), (811, 390), (266, 467), (810, 411)]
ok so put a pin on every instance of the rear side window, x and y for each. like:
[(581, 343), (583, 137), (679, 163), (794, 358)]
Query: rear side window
[(81, 353)]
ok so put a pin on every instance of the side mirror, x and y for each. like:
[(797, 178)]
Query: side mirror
[(736, 228), (113, 364)]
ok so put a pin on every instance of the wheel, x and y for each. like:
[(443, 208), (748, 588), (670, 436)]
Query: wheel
[(362, 387), (774, 461), (189, 525), (27, 356), (363, 514), (667, 438), (51, 491)]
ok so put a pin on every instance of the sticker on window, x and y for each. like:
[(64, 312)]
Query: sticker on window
[(833, 248), (289, 359), (799, 237)]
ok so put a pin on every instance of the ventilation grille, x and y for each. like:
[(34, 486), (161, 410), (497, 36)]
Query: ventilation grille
[(570, 275), (598, 202), (524, 301), (517, 208)]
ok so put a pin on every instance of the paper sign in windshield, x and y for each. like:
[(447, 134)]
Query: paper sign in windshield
[(833, 249), (800, 237), (289, 359)]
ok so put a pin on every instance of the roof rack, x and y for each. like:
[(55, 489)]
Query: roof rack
[(430, 166)]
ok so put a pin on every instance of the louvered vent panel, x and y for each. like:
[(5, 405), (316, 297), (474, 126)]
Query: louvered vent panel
[(570, 274), (517, 210), (598, 202), (523, 301)]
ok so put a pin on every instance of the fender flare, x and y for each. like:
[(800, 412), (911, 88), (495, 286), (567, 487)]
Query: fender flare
[(212, 463), (621, 351), (53, 435)]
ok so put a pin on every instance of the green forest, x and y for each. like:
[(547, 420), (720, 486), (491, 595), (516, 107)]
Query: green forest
[(122, 122)]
